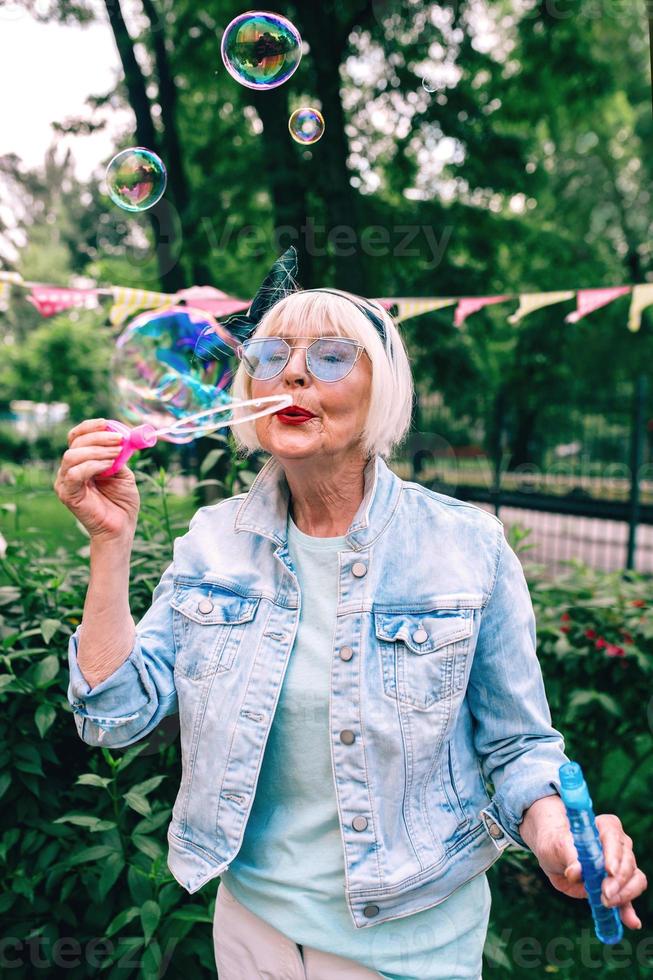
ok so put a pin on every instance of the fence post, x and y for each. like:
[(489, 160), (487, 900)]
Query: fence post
[(497, 448), (636, 451)]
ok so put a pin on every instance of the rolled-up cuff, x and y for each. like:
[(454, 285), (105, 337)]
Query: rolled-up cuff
[(507, 817), (119, 700)]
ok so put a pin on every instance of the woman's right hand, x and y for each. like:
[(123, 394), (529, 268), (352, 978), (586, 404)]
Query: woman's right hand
[(106, 506)]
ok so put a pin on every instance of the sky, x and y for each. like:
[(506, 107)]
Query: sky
[(46, 73)]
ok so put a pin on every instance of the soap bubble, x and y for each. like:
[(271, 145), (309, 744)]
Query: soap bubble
[(306, 125), (428, 86), (136, 179), (260, 49), (160, 377)]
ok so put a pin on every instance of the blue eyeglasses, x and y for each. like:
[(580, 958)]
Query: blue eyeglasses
[(327, 358)]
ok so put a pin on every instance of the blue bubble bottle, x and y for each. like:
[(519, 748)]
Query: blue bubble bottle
[(575, 795)]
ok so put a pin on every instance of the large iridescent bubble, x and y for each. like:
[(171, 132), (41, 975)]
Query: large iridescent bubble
[(306, 125), (136, 179), (160, 377), (260, 49)]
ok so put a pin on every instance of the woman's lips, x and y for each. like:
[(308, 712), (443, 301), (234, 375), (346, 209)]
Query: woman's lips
[(289, 417)]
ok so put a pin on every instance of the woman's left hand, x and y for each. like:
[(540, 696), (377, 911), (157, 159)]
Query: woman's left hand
[(624, 881)]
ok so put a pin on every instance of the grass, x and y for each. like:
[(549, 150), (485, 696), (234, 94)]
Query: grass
[(28, 514)]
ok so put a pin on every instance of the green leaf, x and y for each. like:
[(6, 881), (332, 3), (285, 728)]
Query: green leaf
[(150, 916), (138, 803), (191, 913), (150, 824), (46, 670), (144, 788), (148, 845), (8, 593), (122, 919), (581, 698), (95, 853), (92, 779), (6, 680), (111, 869), (129, 756), (49, 627), (5, 783), (44, 717), (210, 460), (84, 820)]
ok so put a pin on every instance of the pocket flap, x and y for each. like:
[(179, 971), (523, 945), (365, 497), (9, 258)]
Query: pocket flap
[(424, 632), (207, 604)]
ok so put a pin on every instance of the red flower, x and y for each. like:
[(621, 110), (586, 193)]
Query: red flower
[(565, 629), (565, 617), (627, 636), (590, 634), (638, 602), (614, 651), (601, 642)]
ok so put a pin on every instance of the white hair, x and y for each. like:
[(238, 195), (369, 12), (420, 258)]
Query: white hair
[(329, 313)]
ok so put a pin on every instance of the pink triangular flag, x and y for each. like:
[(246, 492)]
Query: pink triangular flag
[(50, 300), (588, 300), (472, 304), (212, 300)]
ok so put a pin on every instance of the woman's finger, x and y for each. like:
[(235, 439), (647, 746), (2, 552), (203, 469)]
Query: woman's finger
[(100, 437), (629, 916), (627, 868), (88, 425), (79, 475), (72, 457), (612, 840), (635, 885)]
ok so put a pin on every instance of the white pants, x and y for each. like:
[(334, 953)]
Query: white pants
[(247, 948)]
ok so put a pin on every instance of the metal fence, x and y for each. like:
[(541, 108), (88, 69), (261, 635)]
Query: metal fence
[(582, 481)]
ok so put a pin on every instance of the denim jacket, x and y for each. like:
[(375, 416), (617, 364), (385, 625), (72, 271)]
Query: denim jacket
[(439, 726)]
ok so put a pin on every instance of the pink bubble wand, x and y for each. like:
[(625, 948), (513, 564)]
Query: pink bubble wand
[(146, 435)]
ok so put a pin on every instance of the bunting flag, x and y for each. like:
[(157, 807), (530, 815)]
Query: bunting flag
[(472, 304), (408, 306), (529, 302), (127, 301), (7, 279), (212, 300), (589, 300), (50, 300), (642, 297)]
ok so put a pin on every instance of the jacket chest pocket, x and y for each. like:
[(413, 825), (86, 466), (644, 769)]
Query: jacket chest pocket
[(208, 626), (423, 654)]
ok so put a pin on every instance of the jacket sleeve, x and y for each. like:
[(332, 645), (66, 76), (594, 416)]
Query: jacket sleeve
[(519, 750), (131, 702)]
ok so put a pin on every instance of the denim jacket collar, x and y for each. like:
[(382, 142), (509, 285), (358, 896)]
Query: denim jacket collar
[(265, 507)]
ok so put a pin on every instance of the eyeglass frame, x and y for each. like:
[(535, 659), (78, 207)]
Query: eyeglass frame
[(291, 347)]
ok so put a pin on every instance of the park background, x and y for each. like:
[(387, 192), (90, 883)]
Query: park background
[(523, 170)]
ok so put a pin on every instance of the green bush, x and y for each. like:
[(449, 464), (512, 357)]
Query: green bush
[(82, 836)]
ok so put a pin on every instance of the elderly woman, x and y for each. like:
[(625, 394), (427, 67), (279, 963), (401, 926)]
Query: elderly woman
[(364, 725)]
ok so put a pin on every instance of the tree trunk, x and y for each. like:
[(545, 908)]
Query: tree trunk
[(320, 25), (170, 272)]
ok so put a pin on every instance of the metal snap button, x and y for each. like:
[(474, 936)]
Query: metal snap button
[(370, 911), (420, 635), (359, 823), (495, 829), (358, 569), (205, 606), (347, 736), (346, 653)]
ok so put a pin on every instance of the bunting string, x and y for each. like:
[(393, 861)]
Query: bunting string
[(126, 301)]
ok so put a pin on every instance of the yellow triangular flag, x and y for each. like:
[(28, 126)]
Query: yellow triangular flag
[(127, 301), (642, 297), (6, 280), (529, 302), (414, 305)]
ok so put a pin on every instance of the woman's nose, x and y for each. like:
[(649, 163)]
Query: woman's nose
[(295, 371)]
